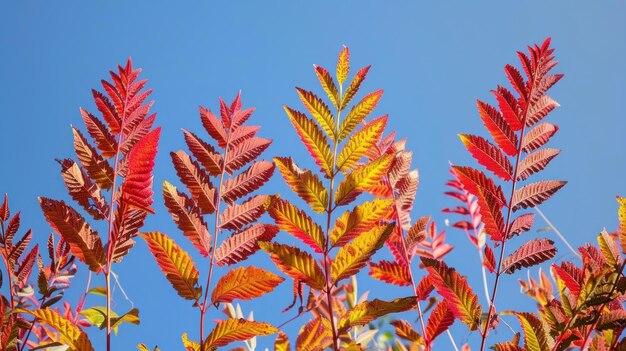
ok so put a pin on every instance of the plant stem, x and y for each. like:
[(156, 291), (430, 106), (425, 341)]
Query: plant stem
[(408, 263), (507, 224), (218, 195), (329, 212)]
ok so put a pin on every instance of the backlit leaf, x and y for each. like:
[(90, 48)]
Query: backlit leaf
[(529, 254), (535, 162), (538, 136), (361, 179), (368, 311), (327, 84), (244, 283), (343, 65), (501, 132), (352, 223), (354, 86), (210, 159), (137, 186), (358, 112), (231, 330), (247, 181), (84, 242), (304, 183), (243, 244), (187, 218), (69, 334), (175, 263), (441, 318), (355, 255), (97, 167), (535, 194), (196, 180), (297, 264), (315, 335), (488, 155), (454, 288), (296, 222), (362, 141), (391, 272), (313, 139), (320, 112)]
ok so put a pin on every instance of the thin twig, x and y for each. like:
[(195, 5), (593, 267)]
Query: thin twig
[(561, 236)]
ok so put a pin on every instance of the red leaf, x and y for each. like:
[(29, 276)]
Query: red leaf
[(521, 224), (196, 180), (241, 154), (509, 107), (390, 272), (137, 187), (247, 181), (236, 216), (530, 254), (500, 130), (490, 198), (187, 217), (243, 244), (204, 153), (535, 162), (534, 194), (538, 136), (84, 242), (537, 111), (213, 126), (517, 81), (490, 259), (100, 133), (488, 155), (441, 318)]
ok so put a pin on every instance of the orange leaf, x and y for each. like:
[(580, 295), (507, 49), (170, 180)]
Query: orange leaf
[(244, 283), (187, 217), (84, 242), (137, 186), (391, 272), (231, 330), (295, 221)]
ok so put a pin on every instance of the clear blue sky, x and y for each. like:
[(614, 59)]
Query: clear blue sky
[(433, 60)]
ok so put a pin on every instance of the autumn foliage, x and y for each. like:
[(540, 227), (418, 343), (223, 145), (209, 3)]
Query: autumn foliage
[(352, 212)]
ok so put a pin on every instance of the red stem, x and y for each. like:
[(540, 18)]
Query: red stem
[(203, 307)]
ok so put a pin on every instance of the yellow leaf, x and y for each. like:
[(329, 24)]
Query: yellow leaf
[(343, 65), (304, 183), (232, 330), (313, 139), (297, 264), (69, 334), (175, 263), (355, 255), (368, 311), (296, 222), (360, 143), (362, 179), (244, 283), (622, 222), (319, 111), (189, 344), (360, 219), (358, 113), (327, 84), (354, 86), (282, 342), (314, 336)]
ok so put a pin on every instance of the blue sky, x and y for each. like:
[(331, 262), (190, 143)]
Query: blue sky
[(432, 59)]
